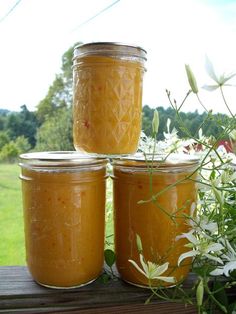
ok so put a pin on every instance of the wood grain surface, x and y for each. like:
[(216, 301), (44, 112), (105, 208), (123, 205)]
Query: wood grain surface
[(20, 294)]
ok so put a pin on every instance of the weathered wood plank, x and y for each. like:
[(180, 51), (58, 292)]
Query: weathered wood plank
[(20, 294), (160, 308)]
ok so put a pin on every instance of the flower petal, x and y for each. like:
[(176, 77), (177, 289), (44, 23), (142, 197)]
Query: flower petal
[(167, 279), (224, 78), (210, 70), (217, 272), (215, 247), (190, 237), (137, 267), (214, 258), (186, 255), (210, 226), (210, 87), (229, 267), (144, 265), (160, 269)]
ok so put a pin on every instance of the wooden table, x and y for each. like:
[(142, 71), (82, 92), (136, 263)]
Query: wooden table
[(20, 294)]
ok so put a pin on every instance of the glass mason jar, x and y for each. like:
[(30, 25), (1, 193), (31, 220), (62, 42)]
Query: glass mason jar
[(168, 190), (63, 202), (107, 105)]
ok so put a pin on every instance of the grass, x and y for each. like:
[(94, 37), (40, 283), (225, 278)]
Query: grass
[(12, 249)]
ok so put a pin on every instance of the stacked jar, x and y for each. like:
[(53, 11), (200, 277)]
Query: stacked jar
[(64, 192)]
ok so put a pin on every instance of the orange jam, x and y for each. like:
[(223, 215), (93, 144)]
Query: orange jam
[(107, 106), (157, 222), (63, 202)]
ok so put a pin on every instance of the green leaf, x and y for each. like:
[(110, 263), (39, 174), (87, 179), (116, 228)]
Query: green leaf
[(232, 307), (104, 278), (220, 295), (110, 257)]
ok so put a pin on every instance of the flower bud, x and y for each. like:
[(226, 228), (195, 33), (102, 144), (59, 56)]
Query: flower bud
[(218, 194), (139, 243), (191, 79), (200, 293), (155, 122)]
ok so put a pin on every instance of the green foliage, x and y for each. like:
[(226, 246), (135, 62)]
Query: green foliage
[(110, 257), (4, 138), (22, 123), (3, 114), (60, 92), (11, 150), (56, 98), (56, 132), (186, 123), (22, 144), (12, 250)]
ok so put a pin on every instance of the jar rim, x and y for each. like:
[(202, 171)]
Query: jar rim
[(93, 48), (141, 160), (60, 159)]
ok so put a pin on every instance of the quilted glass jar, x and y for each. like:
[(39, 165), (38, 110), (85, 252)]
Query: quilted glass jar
[(107, 97), (64, 203), (152, 200)]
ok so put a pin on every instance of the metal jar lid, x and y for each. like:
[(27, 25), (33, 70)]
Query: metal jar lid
[(59, 159), (158, 162), (115, 49)]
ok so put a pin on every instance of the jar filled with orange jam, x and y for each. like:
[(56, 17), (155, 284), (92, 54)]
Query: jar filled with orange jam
[(152, 202), (107, 102), (63, 202)]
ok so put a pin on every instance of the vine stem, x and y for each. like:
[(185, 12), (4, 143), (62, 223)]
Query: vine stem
[(225, 102), (201, 103), (222, 307)]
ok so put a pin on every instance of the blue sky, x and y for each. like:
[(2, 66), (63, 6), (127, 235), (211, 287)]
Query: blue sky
[(37, 32)]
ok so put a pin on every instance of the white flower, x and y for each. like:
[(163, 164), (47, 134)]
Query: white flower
[(151, 270), (203, 248), (220, 80), (227, 176), (201, 224), (229, 259), (200, 239)]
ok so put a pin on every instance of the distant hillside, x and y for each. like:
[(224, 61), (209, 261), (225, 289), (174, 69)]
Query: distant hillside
[(4, 112)]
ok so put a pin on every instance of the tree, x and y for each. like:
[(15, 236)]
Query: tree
[(55, 99), (60, 92), (4, 138), (22, 123), (56, 132), (186, 123), (22, 144), (9, 152), (12, 149)]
